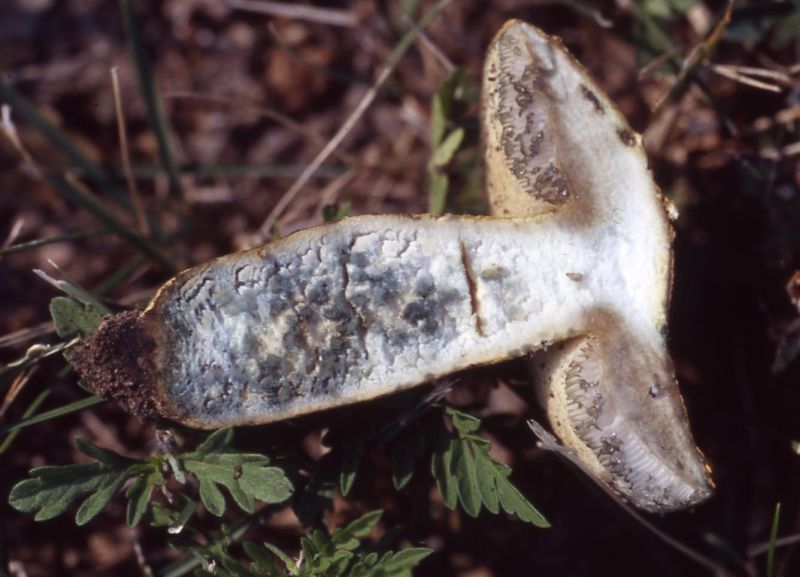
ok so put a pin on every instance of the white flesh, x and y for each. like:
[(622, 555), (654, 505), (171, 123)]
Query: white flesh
[(611, 393)]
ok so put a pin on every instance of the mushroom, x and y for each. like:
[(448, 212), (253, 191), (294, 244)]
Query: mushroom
[(576, 262)]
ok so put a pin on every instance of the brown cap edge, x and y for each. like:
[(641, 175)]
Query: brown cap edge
[(117, 363)]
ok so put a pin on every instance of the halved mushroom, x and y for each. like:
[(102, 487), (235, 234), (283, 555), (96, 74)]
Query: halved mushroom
[(610, 393), (371, 305)]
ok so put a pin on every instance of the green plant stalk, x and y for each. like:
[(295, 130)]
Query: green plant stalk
[(773, 537), (39, 242)]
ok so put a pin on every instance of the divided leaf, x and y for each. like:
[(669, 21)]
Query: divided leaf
[(246, 476), (514, 502), (466, 474), (391, 564), (339, 554), (50, 490), (464, 469), (347, 537)]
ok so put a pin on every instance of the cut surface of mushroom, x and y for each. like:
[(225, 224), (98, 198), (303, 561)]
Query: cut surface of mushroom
[(577, 261), (610, 393)]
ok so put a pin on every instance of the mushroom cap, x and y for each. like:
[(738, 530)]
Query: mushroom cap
[(556, 146)]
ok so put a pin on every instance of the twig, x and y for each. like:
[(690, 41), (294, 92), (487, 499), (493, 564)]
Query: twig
[(34, 354), (330, 16), (784, 116), (761, 548), (394, 427), (327, 195), (13, 234), (583, 10), (744, 75), (264, 231), (36, 243), (15, 231), (136, 201), (16, 387), (776, 75), (26, 334), (10, 131), (71, 288), (698, 56), (446, 63), (77, 192), (141, 561), (792, 149), (67, 185), (648, 68), (263, 112)]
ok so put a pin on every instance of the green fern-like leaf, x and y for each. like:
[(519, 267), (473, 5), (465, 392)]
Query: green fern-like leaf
[(246, 476), (465, 473), (51, 490), (339, 554)]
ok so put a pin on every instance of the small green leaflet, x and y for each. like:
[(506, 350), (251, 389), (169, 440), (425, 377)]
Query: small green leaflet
[(447, 105), (138, 494), (246, 476), (72, 318), (466, 474), (175, 519), (404, 459)]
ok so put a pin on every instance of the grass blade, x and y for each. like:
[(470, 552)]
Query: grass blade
[(773, 537), (32, 408), (34, 244), (153, 104), (21, 107), (70, 189), (53, 414), (78, 293)]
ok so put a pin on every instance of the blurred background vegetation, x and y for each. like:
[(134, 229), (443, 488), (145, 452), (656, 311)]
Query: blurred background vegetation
[(226, 103)]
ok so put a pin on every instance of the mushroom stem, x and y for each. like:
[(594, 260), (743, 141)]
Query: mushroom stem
[(351, 311)]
